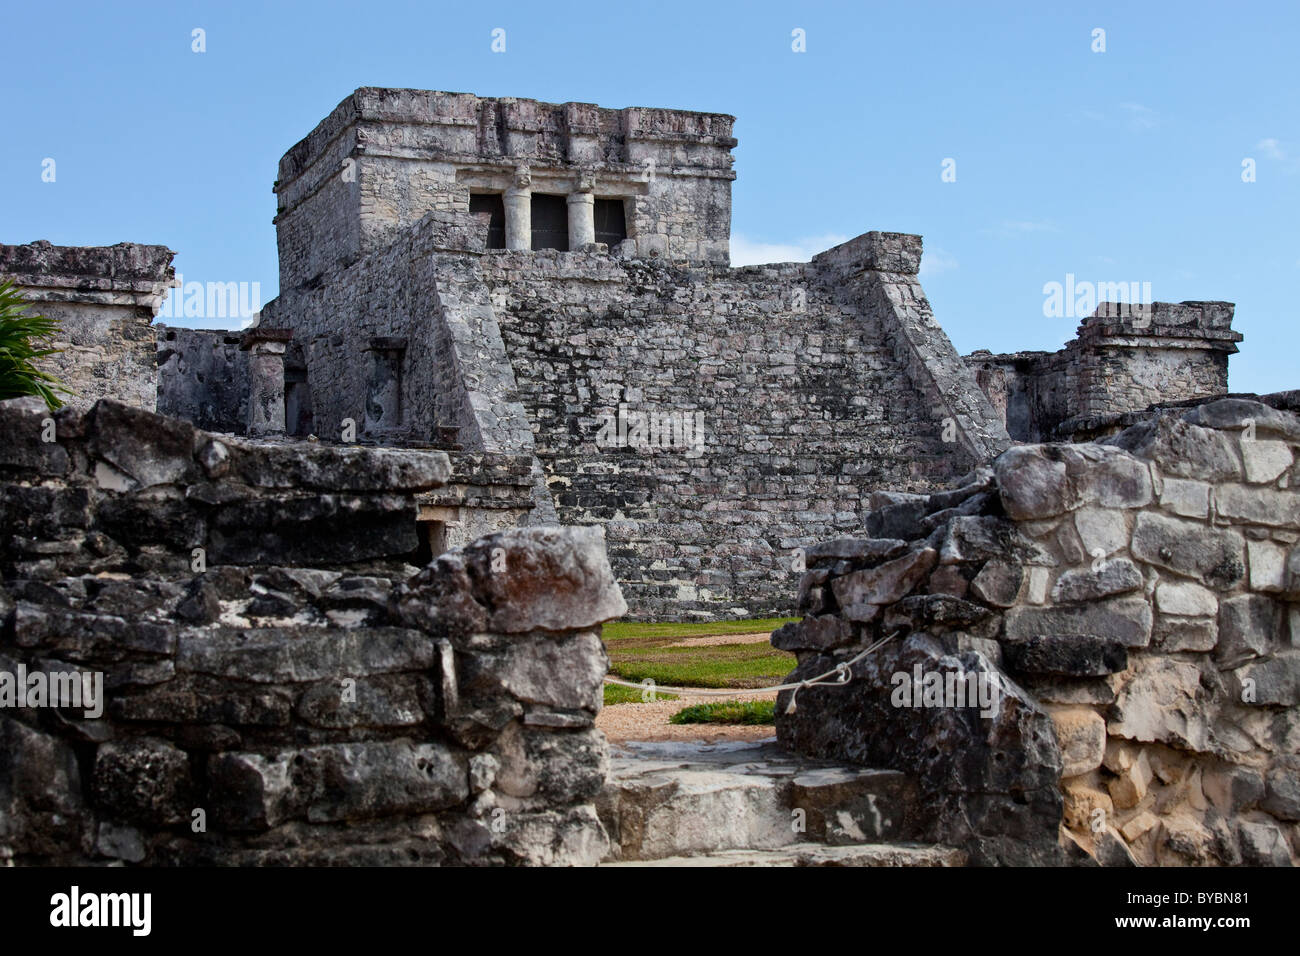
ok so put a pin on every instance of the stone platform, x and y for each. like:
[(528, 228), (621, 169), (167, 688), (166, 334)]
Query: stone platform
[(753, 804)]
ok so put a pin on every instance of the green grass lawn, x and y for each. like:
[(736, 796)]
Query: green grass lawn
[(727, 712), (638, 651), (617, 694), (627, 630)]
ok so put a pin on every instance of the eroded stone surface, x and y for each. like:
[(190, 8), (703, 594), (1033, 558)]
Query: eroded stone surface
[(1144, 594)]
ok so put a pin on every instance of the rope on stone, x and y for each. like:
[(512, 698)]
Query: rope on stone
[(841, 673)]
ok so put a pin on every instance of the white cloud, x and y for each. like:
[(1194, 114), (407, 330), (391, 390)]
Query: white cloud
[(936, 261), (1271, 148), (1139, 116), (751, 252)]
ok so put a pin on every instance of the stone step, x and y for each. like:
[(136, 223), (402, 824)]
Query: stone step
[(815, 854), (668, 800)]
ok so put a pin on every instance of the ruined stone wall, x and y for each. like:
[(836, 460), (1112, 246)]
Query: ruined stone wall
[(392, 294), (293, 693), (1167, 352), (203, 378), (875, 275), (805, 407), (1018, 387), (1124, 360), (384, 158), (485, 493), (1138, 599), (815, 385), (104, 298)]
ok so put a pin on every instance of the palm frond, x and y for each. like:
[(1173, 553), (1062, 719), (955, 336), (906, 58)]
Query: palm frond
[(25, 339)]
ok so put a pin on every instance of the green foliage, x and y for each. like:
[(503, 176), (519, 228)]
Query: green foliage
[(24, 340), (727, 712)]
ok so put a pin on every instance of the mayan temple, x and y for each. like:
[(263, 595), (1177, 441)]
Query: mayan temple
[(343, 572)]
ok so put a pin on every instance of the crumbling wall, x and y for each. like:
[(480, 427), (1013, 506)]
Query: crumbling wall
[(278, 685), (393, 295), (203, 378), (801, 397), (1125, 359), (804, 405), (485, 493), (104, 298), (1142, 594), (876, 275)]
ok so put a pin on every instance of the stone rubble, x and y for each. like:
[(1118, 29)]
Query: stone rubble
[(1134, 601), (317, 699)]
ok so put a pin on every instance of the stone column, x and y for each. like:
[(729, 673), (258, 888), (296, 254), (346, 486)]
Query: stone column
[(582, 214), (266, 348), (519, 211)]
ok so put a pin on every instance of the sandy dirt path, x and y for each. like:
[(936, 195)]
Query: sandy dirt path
[(622, 722)]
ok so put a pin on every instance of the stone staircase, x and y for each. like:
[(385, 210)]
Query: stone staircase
[(752, 804)]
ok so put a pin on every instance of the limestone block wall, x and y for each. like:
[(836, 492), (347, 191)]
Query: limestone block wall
[(384, 158), (876, 274), (1123, 360), (392, 294), (1168, 352), (293, 693), (804, 405), (811, 385), (120, 489), (203, 378), (1139, 596), (104, 298), (485, 493)]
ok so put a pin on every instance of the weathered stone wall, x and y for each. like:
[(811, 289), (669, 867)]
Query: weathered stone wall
[(203, 378), (876, 276), (485, 493), (121, 488), (1101, 427), (1142, 593), (385, 158), (104, 298), (806, 410), (815, 384), (307, 697), (1124, 360), (989, 777), (392, 294)]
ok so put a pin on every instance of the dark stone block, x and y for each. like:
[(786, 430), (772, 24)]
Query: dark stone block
[(22, 444), (1072, 655), (151, 449), (313, 531), (147, 518), (144, 780)]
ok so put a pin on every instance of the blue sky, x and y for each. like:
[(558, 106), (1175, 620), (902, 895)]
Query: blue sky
[(1117, 166)]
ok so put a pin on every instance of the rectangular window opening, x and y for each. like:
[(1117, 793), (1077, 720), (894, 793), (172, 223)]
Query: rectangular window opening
[(611, 222), (432, 541), (550, 222)]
